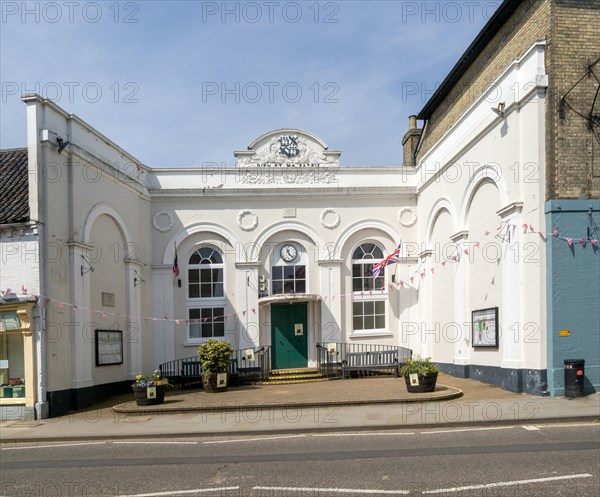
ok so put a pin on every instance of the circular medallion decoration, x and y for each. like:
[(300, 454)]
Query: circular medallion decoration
[(407, 217), (162, 221), (330, 219), (251, 220)]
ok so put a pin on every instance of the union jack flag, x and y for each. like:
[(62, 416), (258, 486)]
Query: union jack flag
[(175, 264), (393, 258)]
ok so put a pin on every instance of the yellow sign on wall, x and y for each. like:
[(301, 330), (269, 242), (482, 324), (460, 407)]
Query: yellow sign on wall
[(564, 333)]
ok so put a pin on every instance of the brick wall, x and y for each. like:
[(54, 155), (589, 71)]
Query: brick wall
[(530, 22), (19, 260), (574, 171)]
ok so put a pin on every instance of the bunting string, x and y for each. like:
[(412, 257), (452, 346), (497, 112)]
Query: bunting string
[(504, 232)]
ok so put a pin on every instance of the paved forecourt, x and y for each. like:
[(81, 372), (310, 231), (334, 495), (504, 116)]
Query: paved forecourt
[(366, 403)]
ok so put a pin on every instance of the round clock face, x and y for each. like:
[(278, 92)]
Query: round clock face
[(288, 253)]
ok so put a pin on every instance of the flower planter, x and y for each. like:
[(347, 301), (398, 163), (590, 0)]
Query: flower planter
[(211, 382), (426, 383), (141, 395)]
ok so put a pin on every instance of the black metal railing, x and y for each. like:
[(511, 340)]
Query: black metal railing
[(332, 356), (244, 367), (257, 369)]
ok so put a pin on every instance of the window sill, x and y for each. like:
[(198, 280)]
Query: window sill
[(371, 334), (196, 343), (7, 401)]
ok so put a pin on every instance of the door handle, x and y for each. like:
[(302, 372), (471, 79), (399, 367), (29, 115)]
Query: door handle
[(280, 342)]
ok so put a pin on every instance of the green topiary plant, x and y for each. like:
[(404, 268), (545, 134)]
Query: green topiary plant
[(419, 365), (215, 357)]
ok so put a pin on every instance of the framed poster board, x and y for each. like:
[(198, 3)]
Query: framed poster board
[(485, 328), (109, 347)]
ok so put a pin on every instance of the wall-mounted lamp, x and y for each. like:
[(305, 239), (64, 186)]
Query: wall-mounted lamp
[(137, 279), (88, 269), (61, 144), (499, 109)]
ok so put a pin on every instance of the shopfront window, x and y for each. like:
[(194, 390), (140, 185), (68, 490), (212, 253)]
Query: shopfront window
[(12, 357)]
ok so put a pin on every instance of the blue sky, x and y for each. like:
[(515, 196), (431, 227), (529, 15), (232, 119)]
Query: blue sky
[(180, 83)]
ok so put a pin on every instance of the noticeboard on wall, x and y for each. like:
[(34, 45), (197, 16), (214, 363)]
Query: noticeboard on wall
[(485, 328), (109, 347)]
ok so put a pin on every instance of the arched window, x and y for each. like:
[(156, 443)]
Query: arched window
[(370, 294), (288, 272), (206, 294)]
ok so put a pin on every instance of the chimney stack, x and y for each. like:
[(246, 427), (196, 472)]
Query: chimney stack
[(410, 141)]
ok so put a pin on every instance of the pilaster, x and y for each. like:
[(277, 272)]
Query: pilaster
[(331, 307), (247, 304), (81, 346), (164, 330), (462, 315)]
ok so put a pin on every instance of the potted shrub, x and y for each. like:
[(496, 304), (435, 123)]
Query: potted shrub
[(420, 375), (215, 360), (150, 390)]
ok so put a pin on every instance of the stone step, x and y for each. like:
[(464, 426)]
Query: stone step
[(295, 372), (308, 376), (292, 382)]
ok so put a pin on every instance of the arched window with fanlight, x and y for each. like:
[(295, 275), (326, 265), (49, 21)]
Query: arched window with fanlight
[(206, 294), (369, 294)]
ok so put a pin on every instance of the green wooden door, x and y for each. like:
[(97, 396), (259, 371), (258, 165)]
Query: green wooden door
[(289, 336)]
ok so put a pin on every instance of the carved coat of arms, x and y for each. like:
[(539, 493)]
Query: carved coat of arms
[(288, 146)]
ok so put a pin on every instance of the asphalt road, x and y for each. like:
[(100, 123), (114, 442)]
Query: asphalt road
[(529, 460)]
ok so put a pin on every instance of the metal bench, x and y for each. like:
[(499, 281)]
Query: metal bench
[(370, 361), (191, 373)]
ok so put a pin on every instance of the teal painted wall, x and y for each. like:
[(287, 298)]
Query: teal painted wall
[(573, 291)]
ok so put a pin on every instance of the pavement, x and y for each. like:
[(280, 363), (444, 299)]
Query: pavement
[(375, 403)]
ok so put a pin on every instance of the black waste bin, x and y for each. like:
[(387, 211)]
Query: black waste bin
[(574, 377)]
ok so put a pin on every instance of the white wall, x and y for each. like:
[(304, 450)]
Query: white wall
[(19, 260), (487, 172)]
